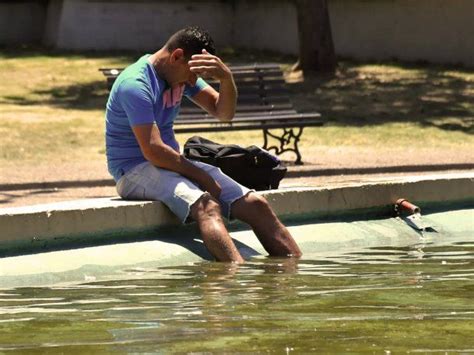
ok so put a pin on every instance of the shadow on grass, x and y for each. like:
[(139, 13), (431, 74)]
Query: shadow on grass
[(429, 95), (84, 96)]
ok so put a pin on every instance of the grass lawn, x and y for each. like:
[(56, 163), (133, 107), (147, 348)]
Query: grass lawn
[(52, 104)]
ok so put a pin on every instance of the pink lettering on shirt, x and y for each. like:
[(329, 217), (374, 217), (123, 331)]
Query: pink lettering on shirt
[(177, 94), (167, 99), (172, 97)]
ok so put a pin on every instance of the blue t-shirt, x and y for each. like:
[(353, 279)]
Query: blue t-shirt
[(140, 96)]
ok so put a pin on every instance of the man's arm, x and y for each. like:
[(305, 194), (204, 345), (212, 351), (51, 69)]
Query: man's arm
[(219, 104), (160, 154)]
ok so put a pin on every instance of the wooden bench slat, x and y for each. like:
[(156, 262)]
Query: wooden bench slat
[(242, 108), (247, 75), (238, 113), (201, 114), (249, 126), (254, 66), (236, 68), (262, 92), (273, 82), (255, 101), (288, 118), (246, 94), (261, 89)]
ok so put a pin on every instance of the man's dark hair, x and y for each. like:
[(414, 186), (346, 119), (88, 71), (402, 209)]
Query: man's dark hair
[(192, 40)]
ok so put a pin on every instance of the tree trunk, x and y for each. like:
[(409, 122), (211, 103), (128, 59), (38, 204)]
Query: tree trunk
[(314, 32)]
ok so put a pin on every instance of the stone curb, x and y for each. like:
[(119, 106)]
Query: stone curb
[(293, 172), (104, 215)]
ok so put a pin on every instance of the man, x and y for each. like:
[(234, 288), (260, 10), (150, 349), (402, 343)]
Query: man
[(143, 154)]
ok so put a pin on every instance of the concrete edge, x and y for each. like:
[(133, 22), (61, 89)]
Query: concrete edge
[(95, 217), (293, 172)]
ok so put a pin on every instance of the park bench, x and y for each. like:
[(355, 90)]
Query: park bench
[(263, 104)]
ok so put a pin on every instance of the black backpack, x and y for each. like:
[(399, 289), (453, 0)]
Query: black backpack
[(253, 167)]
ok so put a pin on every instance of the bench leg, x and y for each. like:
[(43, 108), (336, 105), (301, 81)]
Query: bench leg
[(289, 136)]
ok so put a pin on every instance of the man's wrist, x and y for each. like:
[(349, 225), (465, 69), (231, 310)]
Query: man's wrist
[(227, 77)]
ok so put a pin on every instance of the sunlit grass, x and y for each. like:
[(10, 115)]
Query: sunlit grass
[(83, 138), (72, 138)]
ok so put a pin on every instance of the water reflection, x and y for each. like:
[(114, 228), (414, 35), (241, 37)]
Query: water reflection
[(362, 300)]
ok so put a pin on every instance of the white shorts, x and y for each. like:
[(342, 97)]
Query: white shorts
[(147, 182)]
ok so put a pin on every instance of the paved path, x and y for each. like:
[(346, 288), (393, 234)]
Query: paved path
[(54, 182)]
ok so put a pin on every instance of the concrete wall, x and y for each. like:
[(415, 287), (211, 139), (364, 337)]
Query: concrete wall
[(107, 24), (21, 22), (143, 25), (438, 31), (266, 25)]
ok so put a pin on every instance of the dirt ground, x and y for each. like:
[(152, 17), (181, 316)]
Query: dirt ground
[(323, 166)]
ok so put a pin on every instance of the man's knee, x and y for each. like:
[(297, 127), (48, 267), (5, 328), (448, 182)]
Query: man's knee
[(206, 207), (256, 202)]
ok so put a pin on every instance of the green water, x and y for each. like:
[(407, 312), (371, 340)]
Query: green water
[(416, 297)]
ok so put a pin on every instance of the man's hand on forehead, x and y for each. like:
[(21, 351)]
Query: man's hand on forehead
[(209, 66)]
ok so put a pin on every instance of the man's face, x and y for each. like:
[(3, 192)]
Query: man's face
[(182, 74), (191, 77)]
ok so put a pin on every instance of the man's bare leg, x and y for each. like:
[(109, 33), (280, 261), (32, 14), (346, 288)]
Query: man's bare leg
[(274, 236), (207, 213)]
